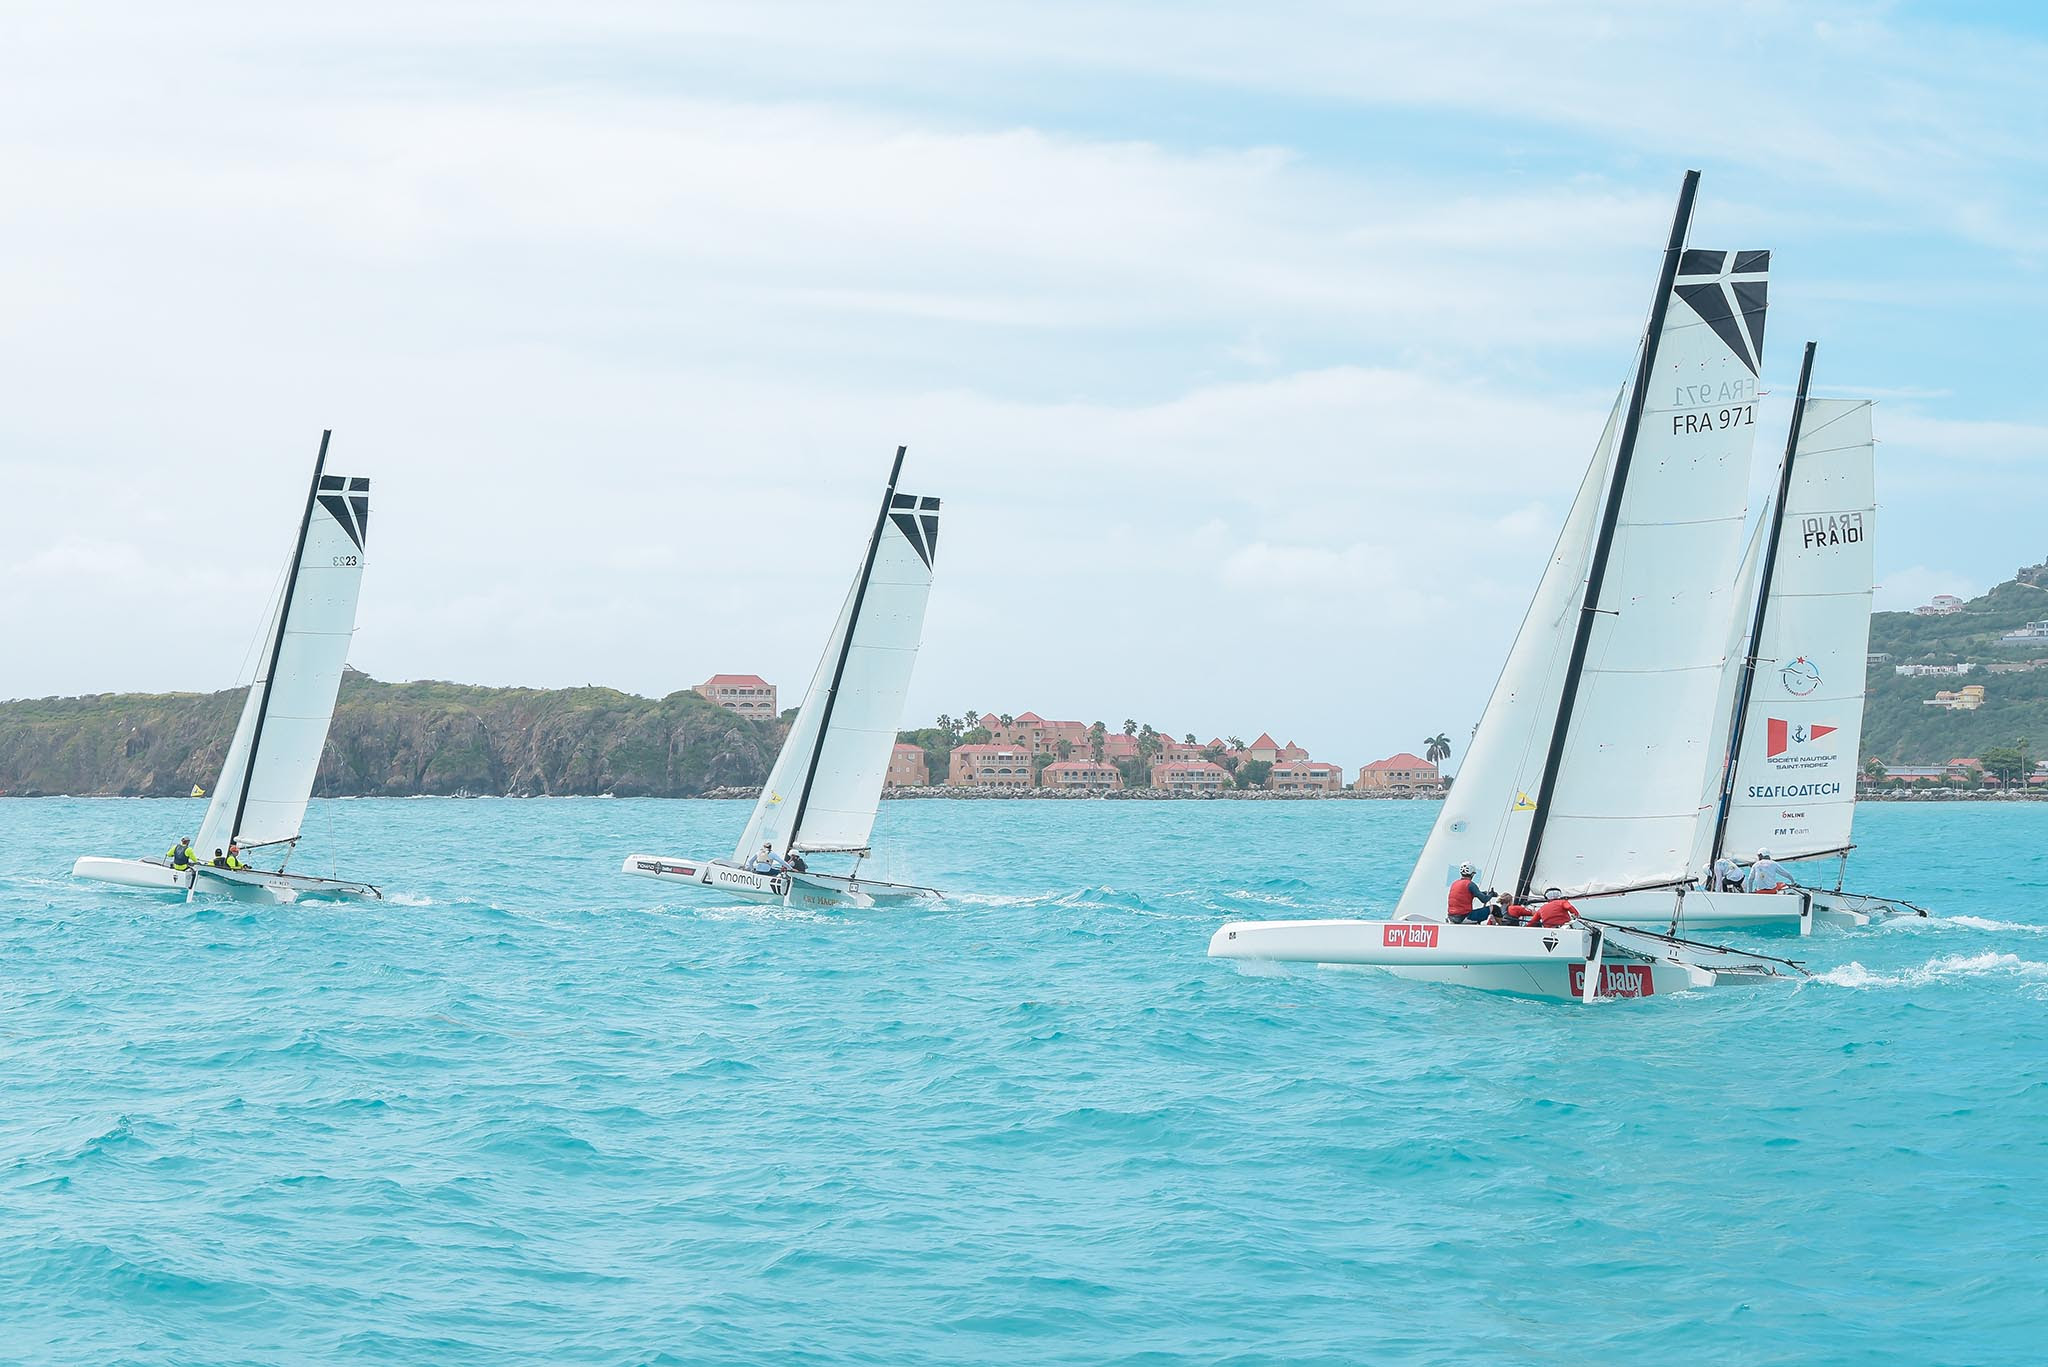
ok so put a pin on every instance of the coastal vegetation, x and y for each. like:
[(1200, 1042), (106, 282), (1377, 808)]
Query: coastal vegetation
[(397, 740)]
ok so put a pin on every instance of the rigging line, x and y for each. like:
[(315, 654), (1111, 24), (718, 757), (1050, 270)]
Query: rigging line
[(1745, 687)]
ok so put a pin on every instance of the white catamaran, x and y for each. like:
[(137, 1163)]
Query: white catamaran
[(1788, 784), (1586, 774), (822, 794), (259, 801)]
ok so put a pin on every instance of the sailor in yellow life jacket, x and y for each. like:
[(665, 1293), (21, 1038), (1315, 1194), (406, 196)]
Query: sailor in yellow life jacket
[(231, 860), (181, 856)]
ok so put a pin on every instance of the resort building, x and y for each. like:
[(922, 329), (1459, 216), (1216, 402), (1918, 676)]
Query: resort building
[(750, 695), (2032, 634), (907, 768), (1000, 766), (1305, 775), (1929, 671), (1399, 773), (1941, 605), (1968, 699), (1189, 776), (1080, 773)]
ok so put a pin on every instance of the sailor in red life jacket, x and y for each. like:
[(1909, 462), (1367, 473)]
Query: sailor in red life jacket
[(1555, 911), (1468, 903)]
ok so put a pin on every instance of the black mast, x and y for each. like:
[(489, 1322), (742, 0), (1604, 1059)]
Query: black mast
[(284, 612), (860, 593), (1763, 603), (1617, 485)]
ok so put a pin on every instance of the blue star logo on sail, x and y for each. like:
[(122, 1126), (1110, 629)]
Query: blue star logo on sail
[(918, 520), (1800, 677), (349, 501), (1729, 291)]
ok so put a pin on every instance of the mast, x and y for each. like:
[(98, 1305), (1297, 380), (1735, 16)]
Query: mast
[(860, 593), (1610, 519), (1747, 682), (284, 612)]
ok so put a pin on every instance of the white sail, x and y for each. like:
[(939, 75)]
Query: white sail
[(288, 710), (1627, 794), (1484, 820), (1626, 791), (1795, 776), (1739, 623), (827, 782)]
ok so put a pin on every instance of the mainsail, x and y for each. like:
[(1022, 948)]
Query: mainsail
[(1586, 770), (827, 782), (1793, 784), (261, 796)]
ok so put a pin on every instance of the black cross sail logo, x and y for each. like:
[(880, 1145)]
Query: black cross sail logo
[(349, 500), (918, 520), (1729, 290)]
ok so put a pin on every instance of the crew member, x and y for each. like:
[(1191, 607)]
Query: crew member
[(1726, 877), (1468, 905), (220, 858), (796, 863), (235, 855), (181, 855), (1767, 875), (766, 862), (1555, 911)]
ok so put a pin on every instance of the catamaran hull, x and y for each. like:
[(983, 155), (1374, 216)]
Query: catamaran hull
[(780, 889), (1852, 909), (241, 885), (1693, 911), (1520, 961)]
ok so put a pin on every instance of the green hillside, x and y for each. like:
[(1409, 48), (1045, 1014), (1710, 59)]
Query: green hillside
[(396, 740), (1900, 728)]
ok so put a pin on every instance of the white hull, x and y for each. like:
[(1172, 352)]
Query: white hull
[(1853, 909), (242, 885), (811, 889), (1679, 913), (1523, 961)]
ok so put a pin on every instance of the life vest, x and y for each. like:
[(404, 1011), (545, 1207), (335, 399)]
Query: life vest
[(181, 857), (1463, 894), (1554, 914)]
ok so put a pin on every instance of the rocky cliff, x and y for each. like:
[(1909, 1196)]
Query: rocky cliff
[(396, 740)]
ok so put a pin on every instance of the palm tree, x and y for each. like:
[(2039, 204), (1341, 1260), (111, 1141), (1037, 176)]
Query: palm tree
[(1437, 748), (1233, 742), (1130, 727), (1190, 740)]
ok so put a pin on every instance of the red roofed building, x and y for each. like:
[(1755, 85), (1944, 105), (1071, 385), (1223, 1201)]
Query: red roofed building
[(1000, 766), (1305, 775), (1080, 773), (750, 695), (1183, 776), (907, 767), (1265, 748), (1399, 773)]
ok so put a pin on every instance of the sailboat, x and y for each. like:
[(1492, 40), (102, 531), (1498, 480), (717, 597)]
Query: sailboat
[(1788, 783), (259, 800), (1586, 773), (822, 794)]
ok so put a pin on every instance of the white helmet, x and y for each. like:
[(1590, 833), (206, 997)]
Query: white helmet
[(1763, 854), (1467, 871)]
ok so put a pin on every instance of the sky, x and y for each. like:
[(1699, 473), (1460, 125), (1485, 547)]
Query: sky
[(1256, 351)]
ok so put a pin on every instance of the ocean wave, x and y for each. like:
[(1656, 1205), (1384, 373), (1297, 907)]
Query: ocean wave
[(1946, 968)]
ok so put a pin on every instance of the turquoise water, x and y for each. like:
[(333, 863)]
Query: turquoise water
[(531, 1110)]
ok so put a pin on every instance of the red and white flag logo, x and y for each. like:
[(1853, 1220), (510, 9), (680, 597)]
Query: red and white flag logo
[(1790, 735)]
